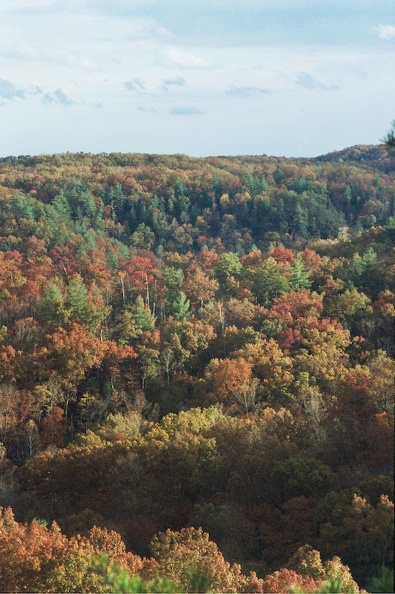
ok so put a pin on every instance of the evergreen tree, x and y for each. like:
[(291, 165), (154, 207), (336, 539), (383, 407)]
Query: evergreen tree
[(180, 306), (389, 138), (79, 306), (143, 317), (299, 277)]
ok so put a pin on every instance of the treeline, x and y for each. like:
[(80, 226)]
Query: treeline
[(175, 203), (192, 346)]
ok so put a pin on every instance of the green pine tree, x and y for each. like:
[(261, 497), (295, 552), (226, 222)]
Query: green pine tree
[(299, 277), (180, 306)]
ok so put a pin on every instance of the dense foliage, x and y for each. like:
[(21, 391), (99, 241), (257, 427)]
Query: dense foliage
[(196, 365)]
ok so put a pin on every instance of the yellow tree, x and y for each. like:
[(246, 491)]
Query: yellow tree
[(269, 364), (193, 561)]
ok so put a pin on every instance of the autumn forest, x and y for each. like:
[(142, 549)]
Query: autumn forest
[(196, 373)]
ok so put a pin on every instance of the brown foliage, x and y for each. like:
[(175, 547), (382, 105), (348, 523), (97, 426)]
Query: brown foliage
[(53, 428)]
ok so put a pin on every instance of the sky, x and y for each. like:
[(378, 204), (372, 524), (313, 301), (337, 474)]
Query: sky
[(294, 78)]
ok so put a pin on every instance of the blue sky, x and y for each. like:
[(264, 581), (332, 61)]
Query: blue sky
[(200, 77)]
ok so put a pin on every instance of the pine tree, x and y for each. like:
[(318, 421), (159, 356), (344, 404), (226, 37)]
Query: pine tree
[(299, 277), (143, 316), (181, 306)]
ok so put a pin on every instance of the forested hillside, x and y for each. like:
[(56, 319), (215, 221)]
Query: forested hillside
[(196, 372)]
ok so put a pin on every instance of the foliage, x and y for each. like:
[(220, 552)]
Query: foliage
[(193, 347), (384, 582), (389, 138)]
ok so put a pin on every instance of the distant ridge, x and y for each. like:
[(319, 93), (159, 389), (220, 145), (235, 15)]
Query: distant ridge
[(377, 156)]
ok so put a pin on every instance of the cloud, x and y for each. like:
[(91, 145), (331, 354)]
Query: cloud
[(78, 61), (385, 31), (58, 98), (35, 90), (242, 92), (26, 6), (185, 59), (309, 82), (150, 32), (179, 81), (10, 91), (135, 84), (147, 109), (18, 50), (184, 111)]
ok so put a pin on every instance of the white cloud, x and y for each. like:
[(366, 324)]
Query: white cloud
[(184, 59), (151, 32), (78, 61), (17, 49), (25, 5), (146, 61), (385, 31)]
